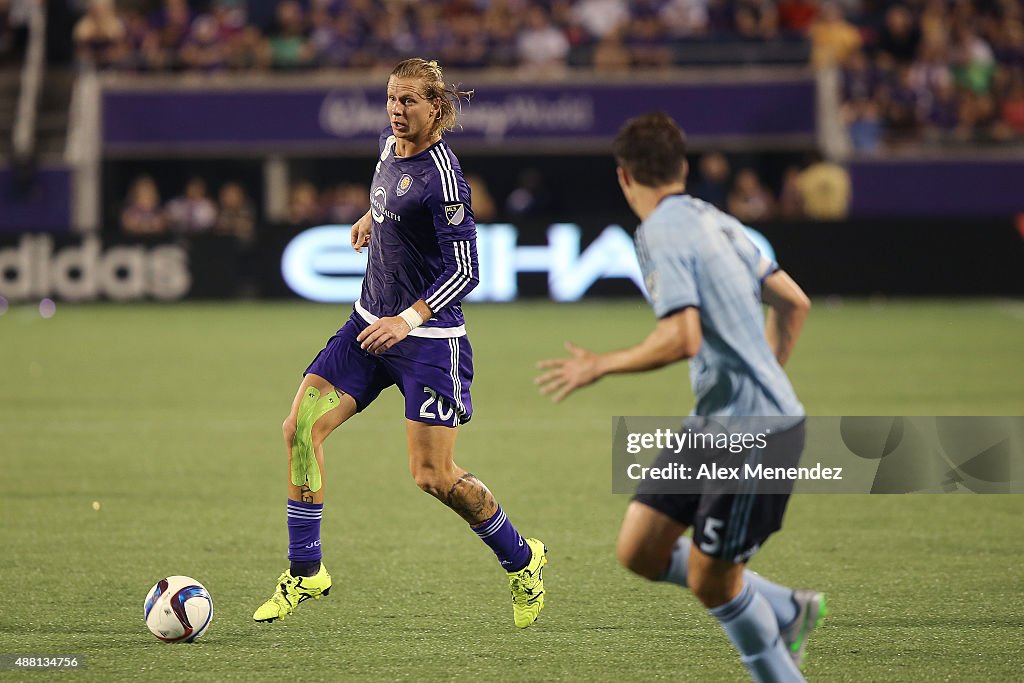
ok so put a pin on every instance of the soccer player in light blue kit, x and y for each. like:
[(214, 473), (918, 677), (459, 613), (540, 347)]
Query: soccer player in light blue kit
[(406, 329), (706, 282)]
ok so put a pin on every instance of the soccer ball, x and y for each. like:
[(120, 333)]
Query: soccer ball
[(178, 609)]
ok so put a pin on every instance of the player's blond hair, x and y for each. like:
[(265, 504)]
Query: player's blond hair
[(448, 99)]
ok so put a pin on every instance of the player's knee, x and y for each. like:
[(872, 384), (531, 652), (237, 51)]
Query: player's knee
[(636, 559), (431, 480), (288, 428)]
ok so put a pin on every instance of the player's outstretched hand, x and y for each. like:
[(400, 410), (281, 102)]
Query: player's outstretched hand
[(566, 375), (361, 230), (383, 334)]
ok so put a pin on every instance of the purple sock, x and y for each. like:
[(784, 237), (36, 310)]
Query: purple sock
[(499, 534), (304, 531)]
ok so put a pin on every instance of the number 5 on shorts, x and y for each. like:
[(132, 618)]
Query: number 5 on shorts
[(714, 542)]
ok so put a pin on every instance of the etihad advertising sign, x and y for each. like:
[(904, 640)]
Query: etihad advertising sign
[(319, 264)]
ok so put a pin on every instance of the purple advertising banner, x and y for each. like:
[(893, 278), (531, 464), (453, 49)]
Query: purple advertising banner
[(545, 113), (937, 188)]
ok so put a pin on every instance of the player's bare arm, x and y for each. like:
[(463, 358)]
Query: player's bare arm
[(676, 337), (787, 310), (361, 231), (386, 332)]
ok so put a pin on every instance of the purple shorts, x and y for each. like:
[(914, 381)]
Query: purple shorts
[(433, 374)]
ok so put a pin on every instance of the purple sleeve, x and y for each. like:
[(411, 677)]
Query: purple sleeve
[(448, 199)]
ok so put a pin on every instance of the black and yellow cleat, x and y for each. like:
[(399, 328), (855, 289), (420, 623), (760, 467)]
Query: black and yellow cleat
[(291, 591)]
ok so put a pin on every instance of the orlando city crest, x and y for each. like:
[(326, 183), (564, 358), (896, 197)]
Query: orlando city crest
[(455, 213), (404, 183)]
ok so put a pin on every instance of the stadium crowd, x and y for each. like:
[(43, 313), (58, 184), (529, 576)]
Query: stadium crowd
[(815, 189), (913, 70)]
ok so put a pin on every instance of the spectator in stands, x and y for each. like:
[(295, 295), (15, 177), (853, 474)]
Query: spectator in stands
[(502, 35), (193, 211), (249, 50), (749, 200), (600, 18), (333, 40), (901, 107), (204, 49), (288, 46), (860, 77), (173, 23), (531, 196), (235, 215), (1008, 45), (943, 114), (899, 38), (142, 214), (972, 60), (646, 39), (713, 185), (610, 54), (796, 16), (484, 207), (231, 17), (685, 18), (100, 36), (791, 198), (468, 45), (1010, 123), (542, 46), (756, 19), (826, 189), (304, 205), (142, 42), (863, 118), (346, 202), (833, 39), (934, 22)]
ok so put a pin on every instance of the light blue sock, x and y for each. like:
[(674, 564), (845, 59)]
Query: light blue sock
[(752, 628), (779, 597)]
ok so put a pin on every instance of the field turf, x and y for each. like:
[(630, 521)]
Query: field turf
[(169, 416)]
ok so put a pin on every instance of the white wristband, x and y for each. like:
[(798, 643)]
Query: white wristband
[(411, 317)]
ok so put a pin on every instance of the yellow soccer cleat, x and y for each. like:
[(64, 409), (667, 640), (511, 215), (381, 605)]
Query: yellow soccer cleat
[(527, 586), (291, 591)]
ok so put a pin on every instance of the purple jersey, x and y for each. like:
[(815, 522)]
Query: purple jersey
[(424, 239)]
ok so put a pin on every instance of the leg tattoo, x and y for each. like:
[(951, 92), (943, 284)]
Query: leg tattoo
[(307, 495), (470, 499)]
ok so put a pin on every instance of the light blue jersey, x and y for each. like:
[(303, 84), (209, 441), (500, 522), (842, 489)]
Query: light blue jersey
[(692, 254)]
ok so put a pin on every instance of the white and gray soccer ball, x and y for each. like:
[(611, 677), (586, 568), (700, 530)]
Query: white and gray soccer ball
[(178, 609)]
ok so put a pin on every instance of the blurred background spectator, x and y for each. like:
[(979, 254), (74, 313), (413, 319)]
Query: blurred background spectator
[(304, 205), (235, 215), (713, 181), (749, 200), (531, 197), (192, 211), (825, 190), (142, 213)]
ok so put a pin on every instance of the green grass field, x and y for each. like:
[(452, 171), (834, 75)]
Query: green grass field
[(169, 416)]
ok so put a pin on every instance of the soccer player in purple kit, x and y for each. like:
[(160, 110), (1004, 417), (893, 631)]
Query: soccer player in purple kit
[(406, 329)]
